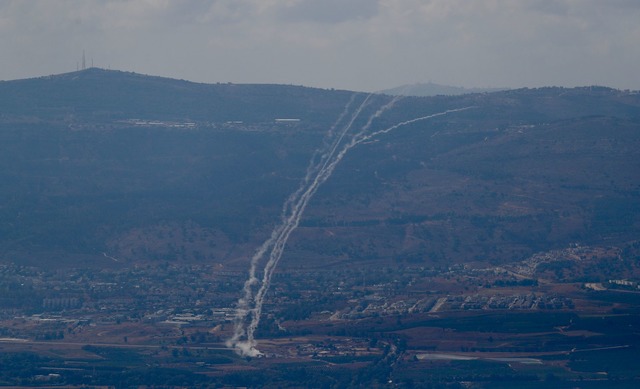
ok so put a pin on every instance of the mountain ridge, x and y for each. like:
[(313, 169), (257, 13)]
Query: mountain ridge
[(433, 89), (523, 171), (125, 93)]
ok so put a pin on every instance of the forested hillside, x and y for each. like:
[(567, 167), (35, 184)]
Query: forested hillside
[(140, 168)]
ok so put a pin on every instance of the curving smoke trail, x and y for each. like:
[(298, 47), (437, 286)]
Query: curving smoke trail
[(250, 297), (249, 306), (297, 209)]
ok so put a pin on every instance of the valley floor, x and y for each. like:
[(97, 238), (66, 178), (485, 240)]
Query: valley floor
[(517, 325)]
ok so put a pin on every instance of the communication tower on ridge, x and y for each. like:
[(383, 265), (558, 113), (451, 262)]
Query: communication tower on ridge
[(84, 65)]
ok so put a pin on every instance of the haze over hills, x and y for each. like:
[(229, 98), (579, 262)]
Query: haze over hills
[(142, 168), (433, 89)]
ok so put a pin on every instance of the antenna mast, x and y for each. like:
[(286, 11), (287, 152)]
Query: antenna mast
[(84, 65)]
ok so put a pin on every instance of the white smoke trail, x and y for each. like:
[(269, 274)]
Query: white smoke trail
[(249, 299), (395, 126), (297, 210), (280, 234), (321, 154), (317, 173)]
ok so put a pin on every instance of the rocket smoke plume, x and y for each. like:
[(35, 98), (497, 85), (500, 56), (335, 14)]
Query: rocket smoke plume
[(321, 167)]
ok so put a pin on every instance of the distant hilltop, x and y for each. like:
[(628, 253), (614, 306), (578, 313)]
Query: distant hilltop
[(431, 89)]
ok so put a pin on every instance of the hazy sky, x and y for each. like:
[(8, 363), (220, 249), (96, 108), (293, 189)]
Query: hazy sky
[(347, 44)]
